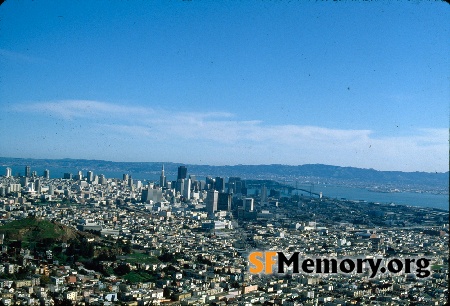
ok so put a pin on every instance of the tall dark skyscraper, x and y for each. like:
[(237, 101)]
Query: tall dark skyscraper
[(24, 181), (90, 176), (182, 172), (27, 171), (224, 201), (248, 204), (219, 184), (209, 183)]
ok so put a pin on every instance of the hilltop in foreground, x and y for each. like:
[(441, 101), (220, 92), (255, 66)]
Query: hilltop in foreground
[(38, 230)]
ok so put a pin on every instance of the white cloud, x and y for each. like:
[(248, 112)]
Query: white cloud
[(70, 109), (220, 138)]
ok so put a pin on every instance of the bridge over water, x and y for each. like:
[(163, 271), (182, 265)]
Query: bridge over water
[(310, 191)]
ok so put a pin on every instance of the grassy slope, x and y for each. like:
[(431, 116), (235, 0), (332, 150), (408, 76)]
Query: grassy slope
[(33, 230)]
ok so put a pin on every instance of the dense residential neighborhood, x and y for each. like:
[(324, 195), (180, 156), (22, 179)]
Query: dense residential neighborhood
[(90, 240)]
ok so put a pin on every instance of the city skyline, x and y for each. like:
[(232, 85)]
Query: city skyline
[(345, 84)]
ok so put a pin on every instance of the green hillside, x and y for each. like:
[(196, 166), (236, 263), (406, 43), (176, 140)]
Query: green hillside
[(37, 230)]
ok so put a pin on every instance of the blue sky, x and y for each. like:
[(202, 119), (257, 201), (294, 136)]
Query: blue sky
[(362, 84)]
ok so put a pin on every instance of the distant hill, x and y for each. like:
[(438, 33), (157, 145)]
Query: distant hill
[(38, 230), (313, 172)]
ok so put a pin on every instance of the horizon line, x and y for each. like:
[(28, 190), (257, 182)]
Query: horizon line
[(211, 165)]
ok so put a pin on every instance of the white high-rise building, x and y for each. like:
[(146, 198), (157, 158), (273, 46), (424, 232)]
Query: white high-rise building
[(8, 172), (51, 190), (187, 189), (14, 188), (162, 178), (138, 184)]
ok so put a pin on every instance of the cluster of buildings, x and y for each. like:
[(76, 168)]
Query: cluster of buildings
[(209, 227)]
